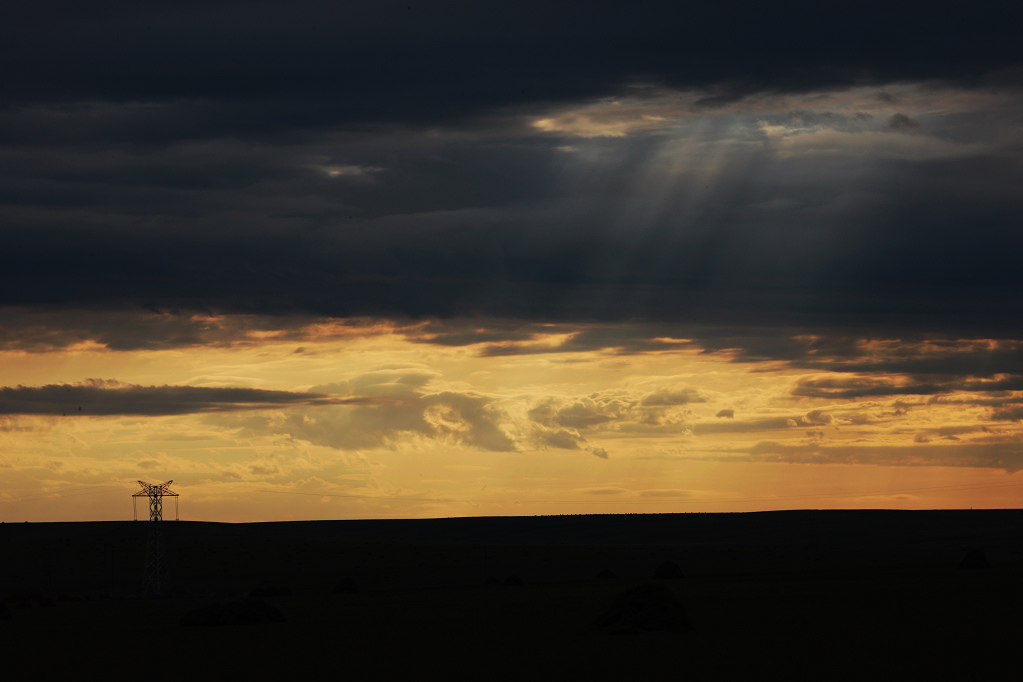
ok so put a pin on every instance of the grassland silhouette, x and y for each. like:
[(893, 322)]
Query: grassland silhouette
[(731, 594)]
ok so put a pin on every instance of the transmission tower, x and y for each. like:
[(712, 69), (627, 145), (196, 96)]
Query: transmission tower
[(156, 558)]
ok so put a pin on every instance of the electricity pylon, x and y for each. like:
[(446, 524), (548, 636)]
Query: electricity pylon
[(156, 558)]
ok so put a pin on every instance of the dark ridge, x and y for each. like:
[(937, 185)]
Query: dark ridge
[(802, 528)]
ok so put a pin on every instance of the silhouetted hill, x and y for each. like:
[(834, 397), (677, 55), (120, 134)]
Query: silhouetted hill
[(820, 528), (880, 593)]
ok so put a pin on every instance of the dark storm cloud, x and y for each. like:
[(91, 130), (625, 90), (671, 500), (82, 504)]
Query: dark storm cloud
[(925, 368), (876, 368), (376, 159), (477, 247), (494, 333), (323, 62), (902, 122), (41, 330), (920, 358), (97, 397), (37, 330)]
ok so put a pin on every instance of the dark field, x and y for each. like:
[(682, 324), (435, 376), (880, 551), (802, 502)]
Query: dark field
[(806, 595)]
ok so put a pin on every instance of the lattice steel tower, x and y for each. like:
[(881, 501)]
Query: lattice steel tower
[(156, 558)]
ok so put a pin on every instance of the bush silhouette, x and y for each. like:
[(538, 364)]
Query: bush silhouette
[(648, 607), (975, 558)]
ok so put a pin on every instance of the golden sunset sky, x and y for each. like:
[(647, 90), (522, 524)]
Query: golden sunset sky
[(410, 261), (373, 420)]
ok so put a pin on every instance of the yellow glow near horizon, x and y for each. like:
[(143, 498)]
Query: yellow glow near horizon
[(449, 431)]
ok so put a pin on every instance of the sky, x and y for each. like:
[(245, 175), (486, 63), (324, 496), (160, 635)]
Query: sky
[(325, 260)]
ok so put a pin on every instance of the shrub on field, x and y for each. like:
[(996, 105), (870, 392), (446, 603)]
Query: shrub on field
[(646, 608), (975, 558)]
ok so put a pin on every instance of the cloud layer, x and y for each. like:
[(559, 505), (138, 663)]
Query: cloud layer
[(706, 164), (98, 397), (510, 247)]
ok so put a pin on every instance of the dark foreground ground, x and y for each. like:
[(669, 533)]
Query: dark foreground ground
[(805, 595)]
